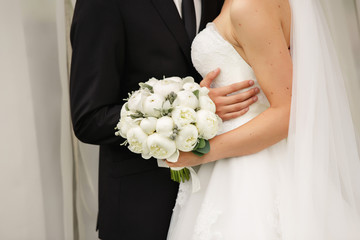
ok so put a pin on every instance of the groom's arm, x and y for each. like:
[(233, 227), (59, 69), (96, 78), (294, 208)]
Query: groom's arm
[(97, 38)]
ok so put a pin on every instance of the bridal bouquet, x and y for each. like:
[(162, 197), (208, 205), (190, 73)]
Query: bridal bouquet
[(166, 116)]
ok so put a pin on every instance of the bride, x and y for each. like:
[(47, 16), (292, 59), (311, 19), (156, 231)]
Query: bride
[(289, 168)]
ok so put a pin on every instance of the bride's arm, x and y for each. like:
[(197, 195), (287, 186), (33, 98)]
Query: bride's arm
[(258, 30)]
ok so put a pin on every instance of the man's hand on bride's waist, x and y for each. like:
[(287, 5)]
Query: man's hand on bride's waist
[(230, 106)]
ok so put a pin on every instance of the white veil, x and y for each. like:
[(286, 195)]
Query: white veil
[(321, 177)]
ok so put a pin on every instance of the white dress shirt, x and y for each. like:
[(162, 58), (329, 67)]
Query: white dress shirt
[(197, 5)]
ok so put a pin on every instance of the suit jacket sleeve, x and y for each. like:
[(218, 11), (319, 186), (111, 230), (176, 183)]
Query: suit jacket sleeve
[(97, 37)]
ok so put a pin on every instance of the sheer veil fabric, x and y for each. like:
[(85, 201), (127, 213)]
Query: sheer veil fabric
[(320, 197)]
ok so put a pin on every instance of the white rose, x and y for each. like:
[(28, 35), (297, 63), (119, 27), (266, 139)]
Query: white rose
[(137, 140), (136, 100), (206, 103), (125, 124), (187, 138), (165, 126), (160, 147), (186, 99), (207, 123), (148, 125), (153, 104), (166, 86), (204, 91), (183, 116)]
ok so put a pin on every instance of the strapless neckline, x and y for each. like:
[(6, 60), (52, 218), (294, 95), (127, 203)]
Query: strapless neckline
[(222, 38)]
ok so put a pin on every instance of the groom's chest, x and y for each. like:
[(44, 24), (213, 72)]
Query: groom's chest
[(156, 42), (158, 22)]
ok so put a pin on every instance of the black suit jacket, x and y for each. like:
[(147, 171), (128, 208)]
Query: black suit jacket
[(117, 44)]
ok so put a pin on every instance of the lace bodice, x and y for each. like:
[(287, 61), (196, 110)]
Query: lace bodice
[(210, 51)]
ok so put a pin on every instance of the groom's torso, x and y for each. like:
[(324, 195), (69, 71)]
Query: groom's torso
[(150, 40)]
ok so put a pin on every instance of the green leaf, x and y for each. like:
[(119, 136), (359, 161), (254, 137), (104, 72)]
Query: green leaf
[(171, 97), (197, 153), (202, 143), (144, 86), (137, 114), (204, 149), (197, 144), (196, 93)]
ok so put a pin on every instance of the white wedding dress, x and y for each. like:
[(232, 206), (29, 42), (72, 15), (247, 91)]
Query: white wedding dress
[(238, 198)]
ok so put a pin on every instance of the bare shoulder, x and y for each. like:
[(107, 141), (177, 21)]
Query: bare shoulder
[(253, 18), (262, 10)]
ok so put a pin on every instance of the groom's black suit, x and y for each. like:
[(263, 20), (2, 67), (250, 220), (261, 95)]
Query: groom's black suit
[(117, 44)]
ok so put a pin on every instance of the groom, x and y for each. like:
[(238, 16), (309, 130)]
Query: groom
[(117, 44)]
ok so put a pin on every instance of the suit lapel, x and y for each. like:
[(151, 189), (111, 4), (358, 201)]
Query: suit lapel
[(170, 15)]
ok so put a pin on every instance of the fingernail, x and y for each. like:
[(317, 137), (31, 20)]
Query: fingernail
[(257, 90), (251, 82), (255, 98)]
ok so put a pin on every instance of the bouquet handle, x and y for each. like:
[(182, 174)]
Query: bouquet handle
[(194, 177)]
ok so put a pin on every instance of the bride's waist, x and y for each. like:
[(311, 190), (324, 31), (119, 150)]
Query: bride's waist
[(254, 111)]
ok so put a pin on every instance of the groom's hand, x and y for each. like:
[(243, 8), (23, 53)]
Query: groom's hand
[(230, 106)]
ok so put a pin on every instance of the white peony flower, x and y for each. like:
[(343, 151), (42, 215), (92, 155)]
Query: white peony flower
[(191, 86), (206, 103), (207, 123), (153, 104), (187, 138), (124, 112), (165, 126), (160, 147), (148, 125), (183, 116), (152, 82), (188, 80), (175, 79), (174, 158), (125, 124), (204, 91), (186, 99), (166, 105), (137, 140), (136, 100), (166, 86)]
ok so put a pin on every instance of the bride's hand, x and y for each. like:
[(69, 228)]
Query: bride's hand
[(228, 107), (187, 159)]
